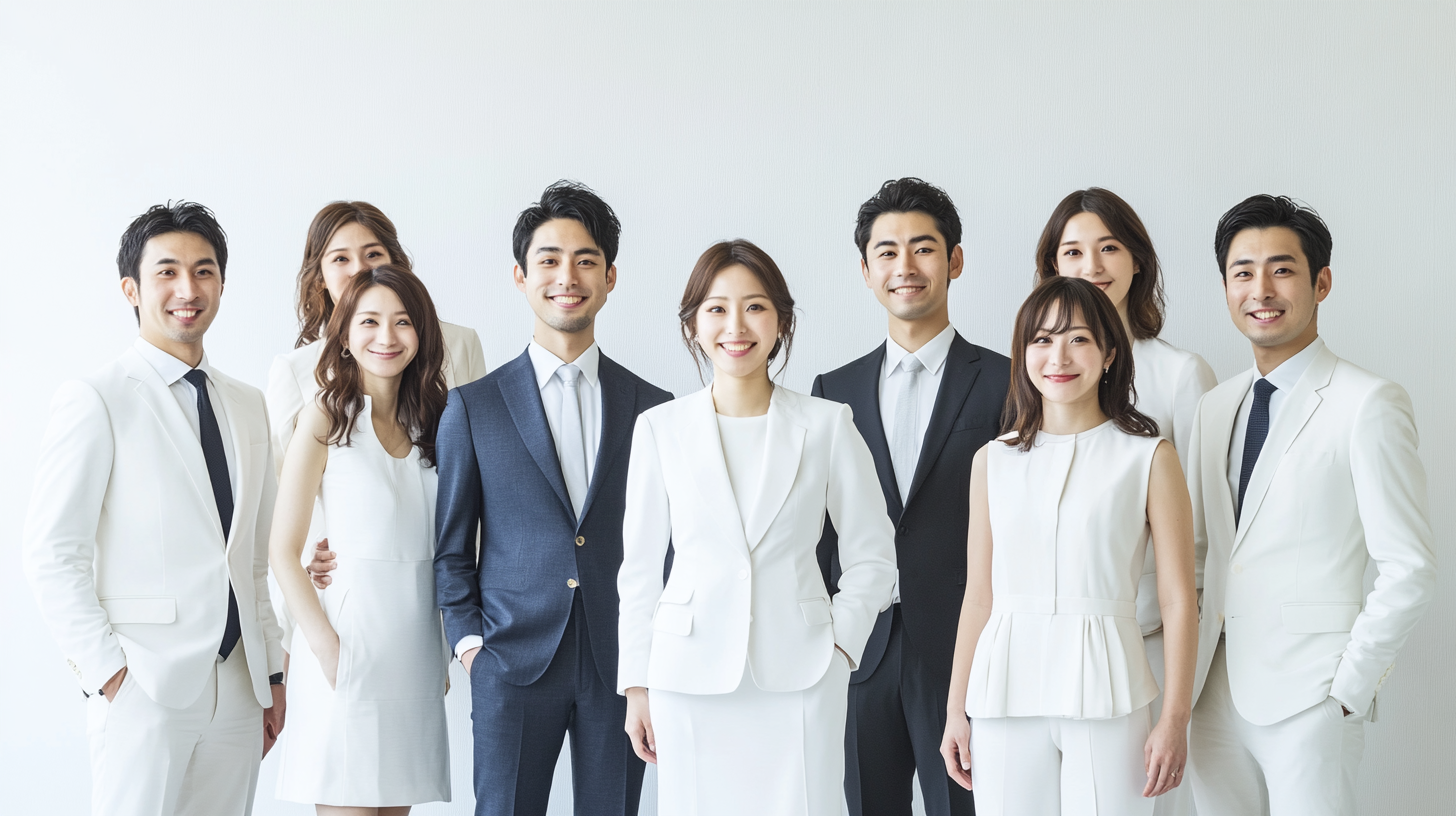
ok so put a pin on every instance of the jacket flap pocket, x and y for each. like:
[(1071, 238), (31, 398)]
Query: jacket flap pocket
[(679, 593), (674, 620), (816, 611), (140, 610), (1313, 618)]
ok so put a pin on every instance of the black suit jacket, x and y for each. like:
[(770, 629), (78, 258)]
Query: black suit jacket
[(930, 529)]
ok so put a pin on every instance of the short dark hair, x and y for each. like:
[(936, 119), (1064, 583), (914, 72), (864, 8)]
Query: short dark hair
[(181, 216), (1266, 211), (574, 200), (908, 195)]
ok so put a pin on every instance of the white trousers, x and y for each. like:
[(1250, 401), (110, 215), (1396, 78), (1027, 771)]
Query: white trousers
[(151, 760), (1178, 801), (1054, 766), (1304, 765)]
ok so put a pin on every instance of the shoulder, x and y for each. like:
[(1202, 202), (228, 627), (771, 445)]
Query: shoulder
[(241, 391), (815, 410), (855, 370), (312, 421), (615, 370), (458, 335), (982, 356), (303, 358)]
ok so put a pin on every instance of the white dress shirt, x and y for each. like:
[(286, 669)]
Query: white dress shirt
[(932, 356), (172, 371), (1283, 378)]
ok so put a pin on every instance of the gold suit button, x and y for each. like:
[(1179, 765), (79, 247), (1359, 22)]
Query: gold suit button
[(571, 582), (580, 540)]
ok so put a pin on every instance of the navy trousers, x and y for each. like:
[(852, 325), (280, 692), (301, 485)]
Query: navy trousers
[(519, 731)]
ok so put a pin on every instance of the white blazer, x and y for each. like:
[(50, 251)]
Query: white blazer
[(122, 543), (1337, 484), (748, 589)]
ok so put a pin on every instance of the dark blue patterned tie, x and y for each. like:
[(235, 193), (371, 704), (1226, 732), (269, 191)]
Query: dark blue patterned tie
[(1254, 438), (222, 493)]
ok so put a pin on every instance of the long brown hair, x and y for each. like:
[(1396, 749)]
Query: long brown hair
[(1115, 391), (315, 305), (717, 258), (1145, 296), (422, 387)]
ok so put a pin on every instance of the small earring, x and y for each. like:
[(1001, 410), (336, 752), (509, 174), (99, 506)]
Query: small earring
[(346, 355)]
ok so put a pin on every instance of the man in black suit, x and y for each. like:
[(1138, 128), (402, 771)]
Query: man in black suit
[(925, 401)]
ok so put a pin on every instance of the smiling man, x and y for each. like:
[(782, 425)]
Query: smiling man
[(1302, 471), (534, 455), (925, 401), (147, 543)]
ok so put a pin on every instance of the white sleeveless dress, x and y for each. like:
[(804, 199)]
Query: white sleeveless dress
[(1069, 531), (378, 738)]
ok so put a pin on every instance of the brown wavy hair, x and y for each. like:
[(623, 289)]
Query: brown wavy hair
[(1145, 297), (422, 387), (1115, 391), (315, 305), (717, 258)]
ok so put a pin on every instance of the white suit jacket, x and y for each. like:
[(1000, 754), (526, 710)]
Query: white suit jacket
[(748, 589), (1337, 484), (123, 545)]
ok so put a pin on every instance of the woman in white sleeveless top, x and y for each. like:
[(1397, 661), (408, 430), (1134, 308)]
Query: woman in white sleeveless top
[(366, 681), (736, 671), (1095, 235), (1049, 662)]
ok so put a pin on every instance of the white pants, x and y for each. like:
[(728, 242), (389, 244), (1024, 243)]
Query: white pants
[(151, 760), (1178, 801), (1304, 765)]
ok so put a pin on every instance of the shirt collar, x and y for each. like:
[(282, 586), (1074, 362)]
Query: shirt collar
[(169, 368), (546, 363), (931, 355), (1289, 372)]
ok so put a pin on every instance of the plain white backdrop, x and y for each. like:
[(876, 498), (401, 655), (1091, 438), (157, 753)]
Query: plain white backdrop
[(698, 122)]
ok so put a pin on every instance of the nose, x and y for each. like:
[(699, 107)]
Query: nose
[(736, 324), (1263, 286), (186, 287), (1061, 353)]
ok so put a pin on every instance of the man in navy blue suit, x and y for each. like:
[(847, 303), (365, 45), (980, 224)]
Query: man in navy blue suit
[(534, 456)]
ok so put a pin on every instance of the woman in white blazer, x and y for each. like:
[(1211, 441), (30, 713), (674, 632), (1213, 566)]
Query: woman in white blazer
[(1095, 235), (736, 672), (1049, 660)]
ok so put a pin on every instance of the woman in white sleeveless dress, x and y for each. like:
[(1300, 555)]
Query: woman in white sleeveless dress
[(1049, 661), (366, 732), (1095, 235)]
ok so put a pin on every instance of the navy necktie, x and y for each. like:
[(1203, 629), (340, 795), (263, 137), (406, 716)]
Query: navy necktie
[(222, 492), (1254, 437)]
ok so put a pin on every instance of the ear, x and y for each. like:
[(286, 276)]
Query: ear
[(132, 291), (957, 262), (864, 269), (519, 275), (1323, 282), (1111, 356), (611, 277)]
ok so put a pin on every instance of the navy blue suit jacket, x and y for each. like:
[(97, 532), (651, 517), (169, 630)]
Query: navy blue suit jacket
[(499, 473), (930, 529)]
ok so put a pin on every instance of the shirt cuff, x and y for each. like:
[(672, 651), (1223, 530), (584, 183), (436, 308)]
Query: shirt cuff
[(467, 643)]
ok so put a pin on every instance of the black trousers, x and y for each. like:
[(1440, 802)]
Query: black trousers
[(519, 730), (896, 721)]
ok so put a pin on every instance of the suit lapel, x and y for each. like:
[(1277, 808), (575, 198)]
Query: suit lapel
[(1221, 411), (864, 401), (960, 374), (158, 398), (701, 444), (783, 447), (523, 399), (1293, 415), (619, 414), (242, 450)]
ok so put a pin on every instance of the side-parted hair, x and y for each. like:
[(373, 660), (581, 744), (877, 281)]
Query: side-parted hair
[(315, 304), (1115, 392), (1145, 297), (422, 388), (717, 258), (160, 219), (1266, 211), (908, 195), (573, 200)]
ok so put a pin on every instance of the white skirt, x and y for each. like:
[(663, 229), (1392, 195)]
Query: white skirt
[(769, 753)]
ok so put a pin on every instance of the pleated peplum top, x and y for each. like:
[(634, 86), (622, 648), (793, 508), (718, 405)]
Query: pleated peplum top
[(1069, 531)]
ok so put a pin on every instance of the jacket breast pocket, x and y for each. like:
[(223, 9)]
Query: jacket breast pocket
[(140, 609), (1317, 618), (816, 612)]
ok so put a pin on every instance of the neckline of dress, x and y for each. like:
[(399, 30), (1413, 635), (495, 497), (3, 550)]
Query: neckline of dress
[(366, 415), (1044, 438)]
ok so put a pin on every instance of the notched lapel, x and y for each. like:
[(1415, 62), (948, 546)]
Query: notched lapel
[(865, 402), (783, 448), (1222, 413), (619, 414), (523, 399), (242, 448), (701, 444), (960, 376), (155, 394)]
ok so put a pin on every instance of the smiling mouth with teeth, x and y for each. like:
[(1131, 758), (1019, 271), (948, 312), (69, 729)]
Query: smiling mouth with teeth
[(568, 300), (1266, 314), (185, 314)]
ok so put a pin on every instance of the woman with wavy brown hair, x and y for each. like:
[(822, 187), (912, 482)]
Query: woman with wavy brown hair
[(367, 679)]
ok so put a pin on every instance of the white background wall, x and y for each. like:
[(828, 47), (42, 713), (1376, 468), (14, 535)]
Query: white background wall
[(700, 122)]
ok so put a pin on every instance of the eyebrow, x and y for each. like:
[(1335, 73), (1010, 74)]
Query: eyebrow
[(175, 262), (1098, 241), (366, 246), (404, 312), (745, 297), (1270, 259), (582, 251), (917, 239), (1064, 331)]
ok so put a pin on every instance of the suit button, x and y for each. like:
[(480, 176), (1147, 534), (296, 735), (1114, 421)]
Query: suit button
[(742, 574), (1238, 568), (904, 529), (571, 582), (580, 540)]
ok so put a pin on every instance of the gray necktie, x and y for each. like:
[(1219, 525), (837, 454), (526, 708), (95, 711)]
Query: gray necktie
[(905, 436), (572, 443)]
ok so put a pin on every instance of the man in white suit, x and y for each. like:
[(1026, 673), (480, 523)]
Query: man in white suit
[(1302, 471), (146, 543)]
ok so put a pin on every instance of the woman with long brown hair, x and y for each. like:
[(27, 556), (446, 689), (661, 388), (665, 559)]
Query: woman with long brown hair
[(1049, 659), (367, 731)]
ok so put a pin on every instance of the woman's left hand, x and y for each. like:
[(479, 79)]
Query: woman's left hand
[(1165, 755)]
